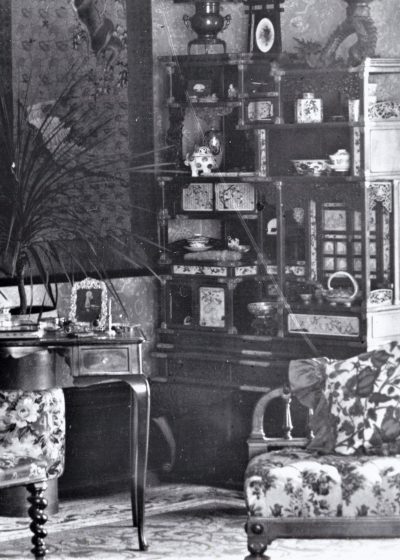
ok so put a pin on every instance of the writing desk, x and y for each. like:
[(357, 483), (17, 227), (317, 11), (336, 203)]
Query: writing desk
[(29, 364)]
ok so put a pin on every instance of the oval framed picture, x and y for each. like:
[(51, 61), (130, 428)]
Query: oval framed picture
[(265, 35)]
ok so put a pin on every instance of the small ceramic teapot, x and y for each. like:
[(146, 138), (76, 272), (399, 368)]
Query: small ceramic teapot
[(340, 161), (201, 161)]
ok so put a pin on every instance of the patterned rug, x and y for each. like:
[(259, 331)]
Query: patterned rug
[(80, 513), (183, 523)]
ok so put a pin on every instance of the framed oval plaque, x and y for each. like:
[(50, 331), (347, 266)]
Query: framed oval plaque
[(265, 35)]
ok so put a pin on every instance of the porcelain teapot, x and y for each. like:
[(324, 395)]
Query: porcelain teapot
[(201, 161), (340, 161)]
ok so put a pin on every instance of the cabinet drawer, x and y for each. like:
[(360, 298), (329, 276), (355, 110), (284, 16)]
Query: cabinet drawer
[(106, 360), (272, 375), (199, 370)]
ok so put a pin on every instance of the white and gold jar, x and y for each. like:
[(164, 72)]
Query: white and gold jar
[(309, 109)]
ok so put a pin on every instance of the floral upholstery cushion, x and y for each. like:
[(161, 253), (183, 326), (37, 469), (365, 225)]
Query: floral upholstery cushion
[(32, 435), (21, 470), (298, 483), (356, 401), (364, 393)]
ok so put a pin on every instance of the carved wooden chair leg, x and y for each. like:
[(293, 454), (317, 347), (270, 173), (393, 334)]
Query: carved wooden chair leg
[(39, 518)]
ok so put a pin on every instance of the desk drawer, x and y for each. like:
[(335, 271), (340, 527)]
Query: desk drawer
[(107, 360)]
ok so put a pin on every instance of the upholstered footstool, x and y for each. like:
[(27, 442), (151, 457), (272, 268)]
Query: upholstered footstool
[(293, 484)]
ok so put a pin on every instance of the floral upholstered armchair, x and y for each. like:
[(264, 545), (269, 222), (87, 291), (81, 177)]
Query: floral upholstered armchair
[(32, 439), (344, 480)]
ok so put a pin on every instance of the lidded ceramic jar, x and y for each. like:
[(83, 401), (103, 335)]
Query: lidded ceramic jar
[(340, 161), (308, 109)]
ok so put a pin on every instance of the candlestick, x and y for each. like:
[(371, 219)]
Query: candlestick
[(110, 331)]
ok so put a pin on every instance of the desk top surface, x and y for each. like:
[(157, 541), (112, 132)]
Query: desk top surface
[(60, 339)]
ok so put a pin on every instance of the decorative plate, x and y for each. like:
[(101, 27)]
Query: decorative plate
[(265, 35)]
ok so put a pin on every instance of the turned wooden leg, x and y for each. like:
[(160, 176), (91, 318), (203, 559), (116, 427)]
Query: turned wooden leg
[(39, 518), (257, 556), (257, 541), (256, 552)]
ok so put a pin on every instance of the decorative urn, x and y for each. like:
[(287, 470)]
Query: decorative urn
[(207, 22)]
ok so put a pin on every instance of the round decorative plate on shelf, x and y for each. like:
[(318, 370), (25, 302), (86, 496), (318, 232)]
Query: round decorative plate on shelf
[(265, 35)]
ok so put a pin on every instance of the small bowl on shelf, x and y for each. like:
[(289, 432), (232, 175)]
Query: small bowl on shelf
[(198, 241), (262, 308), (311, 167), (341, 296)]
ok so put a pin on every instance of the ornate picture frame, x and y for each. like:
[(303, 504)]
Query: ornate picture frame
[(89, 303), (264, 26)]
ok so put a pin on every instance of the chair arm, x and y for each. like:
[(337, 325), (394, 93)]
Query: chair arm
[(257, 441)]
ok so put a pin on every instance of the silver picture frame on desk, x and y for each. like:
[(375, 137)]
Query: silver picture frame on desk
[(89, 303)]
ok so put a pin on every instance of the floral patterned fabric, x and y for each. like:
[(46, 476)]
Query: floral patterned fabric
[(298, 483), (365, 401), (32, 435), (356, 401)]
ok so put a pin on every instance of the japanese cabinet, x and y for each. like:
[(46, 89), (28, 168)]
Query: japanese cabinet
[(306, 181)]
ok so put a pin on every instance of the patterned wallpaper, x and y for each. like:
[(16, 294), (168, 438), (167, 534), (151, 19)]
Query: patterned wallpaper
[(54, 40), (5, 43)]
